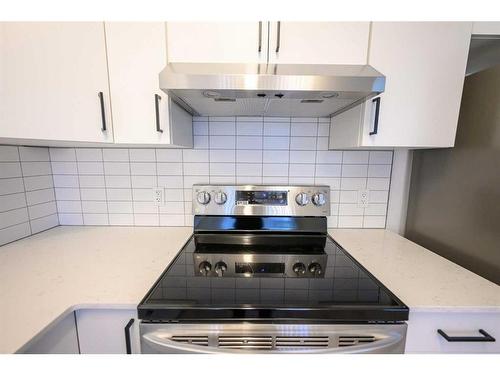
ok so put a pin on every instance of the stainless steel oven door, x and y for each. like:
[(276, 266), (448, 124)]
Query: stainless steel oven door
[(272, 338)]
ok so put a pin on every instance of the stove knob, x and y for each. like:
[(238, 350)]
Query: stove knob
[(220, 268), (205, 268), (203, 197), (302, 199), (299, 269), (220, 197), (319, 199), (315, 269)]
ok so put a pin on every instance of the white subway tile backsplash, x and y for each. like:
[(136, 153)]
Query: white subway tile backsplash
[(356, 157), (34, 153), (64, 167), (69, 206), (91, 181), (303, 157), (62, 154), (276, 143), (222, 142), (89, 154), (249, 156), (249, 127), (380, 157), (142, 154), (90, 168), (222, 169), (222, 156), (10, 170), (117, 182), (115, 154), (36, 168), (248, 169), (142, 169), (194, 156), (9, 153), (66, 181), (379, 170), (44, 223), (93, 194), (27, 200), (111, 186), (116, 168), (11, 185), (307, 129), (67, 194), (39, 196), (168, 155), (248, 142)]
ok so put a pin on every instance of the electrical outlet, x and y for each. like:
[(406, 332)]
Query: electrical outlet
[(363, 198), (158, 196)]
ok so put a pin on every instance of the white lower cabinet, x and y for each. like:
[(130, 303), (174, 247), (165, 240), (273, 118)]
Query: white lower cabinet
[(102, 331), (423, 326), (60, 337)]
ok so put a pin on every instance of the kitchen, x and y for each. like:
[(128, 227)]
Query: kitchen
[(236, 187)]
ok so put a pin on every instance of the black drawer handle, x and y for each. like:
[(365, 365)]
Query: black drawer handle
[(377, 112), (485, 338), (157, 113), (127, 336), (103, 114)]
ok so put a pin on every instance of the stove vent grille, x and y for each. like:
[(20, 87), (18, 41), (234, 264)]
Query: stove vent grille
[(355, 340), (302, 342), (196, 340), (246, 342)]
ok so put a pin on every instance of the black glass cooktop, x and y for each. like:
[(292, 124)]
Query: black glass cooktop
[(342, 292)]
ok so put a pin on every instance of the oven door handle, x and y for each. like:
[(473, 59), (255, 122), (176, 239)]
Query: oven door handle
[(162, 344)]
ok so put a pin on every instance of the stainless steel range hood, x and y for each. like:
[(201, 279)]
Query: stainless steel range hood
[(269, 90)]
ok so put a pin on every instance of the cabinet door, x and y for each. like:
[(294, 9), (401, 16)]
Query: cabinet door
[(424, 64), (217, 42), (59, 338), (319, 42), (52, 74), (136, 55), (102, 331)]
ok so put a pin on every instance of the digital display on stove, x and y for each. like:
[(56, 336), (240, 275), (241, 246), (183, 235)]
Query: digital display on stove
[(264, 198), (254, 268)]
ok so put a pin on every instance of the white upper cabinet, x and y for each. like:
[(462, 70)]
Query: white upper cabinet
[(136, 54), (318, 42), (54, 83), (424, 64), (217, 42)]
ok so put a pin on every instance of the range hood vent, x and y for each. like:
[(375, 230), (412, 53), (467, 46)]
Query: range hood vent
[(269, 90)]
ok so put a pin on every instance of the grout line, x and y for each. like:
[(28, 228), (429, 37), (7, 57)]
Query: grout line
[(24, 188), (105, 188)]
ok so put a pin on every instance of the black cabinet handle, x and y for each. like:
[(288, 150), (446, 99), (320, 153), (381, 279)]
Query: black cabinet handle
[(103, 114), (377, 111), (260, 36), (485, 338), (157, 109), (278, 37), (127, 336)]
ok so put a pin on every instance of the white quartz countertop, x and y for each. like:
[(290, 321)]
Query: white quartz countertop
[(65, 268)]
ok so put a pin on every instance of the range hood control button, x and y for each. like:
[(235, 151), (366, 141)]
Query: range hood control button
[(319, 199), (205, 268), (203, 197), (220, 197), (302, 199), (220, 268)]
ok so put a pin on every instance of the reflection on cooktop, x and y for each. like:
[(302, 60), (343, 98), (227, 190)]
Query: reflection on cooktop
[(342, 281)]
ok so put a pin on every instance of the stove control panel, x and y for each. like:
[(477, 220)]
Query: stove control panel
[(259, 265), (261, 200)]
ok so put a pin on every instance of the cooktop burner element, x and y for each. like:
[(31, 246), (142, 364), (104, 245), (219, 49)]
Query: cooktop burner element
[(276, 266)]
